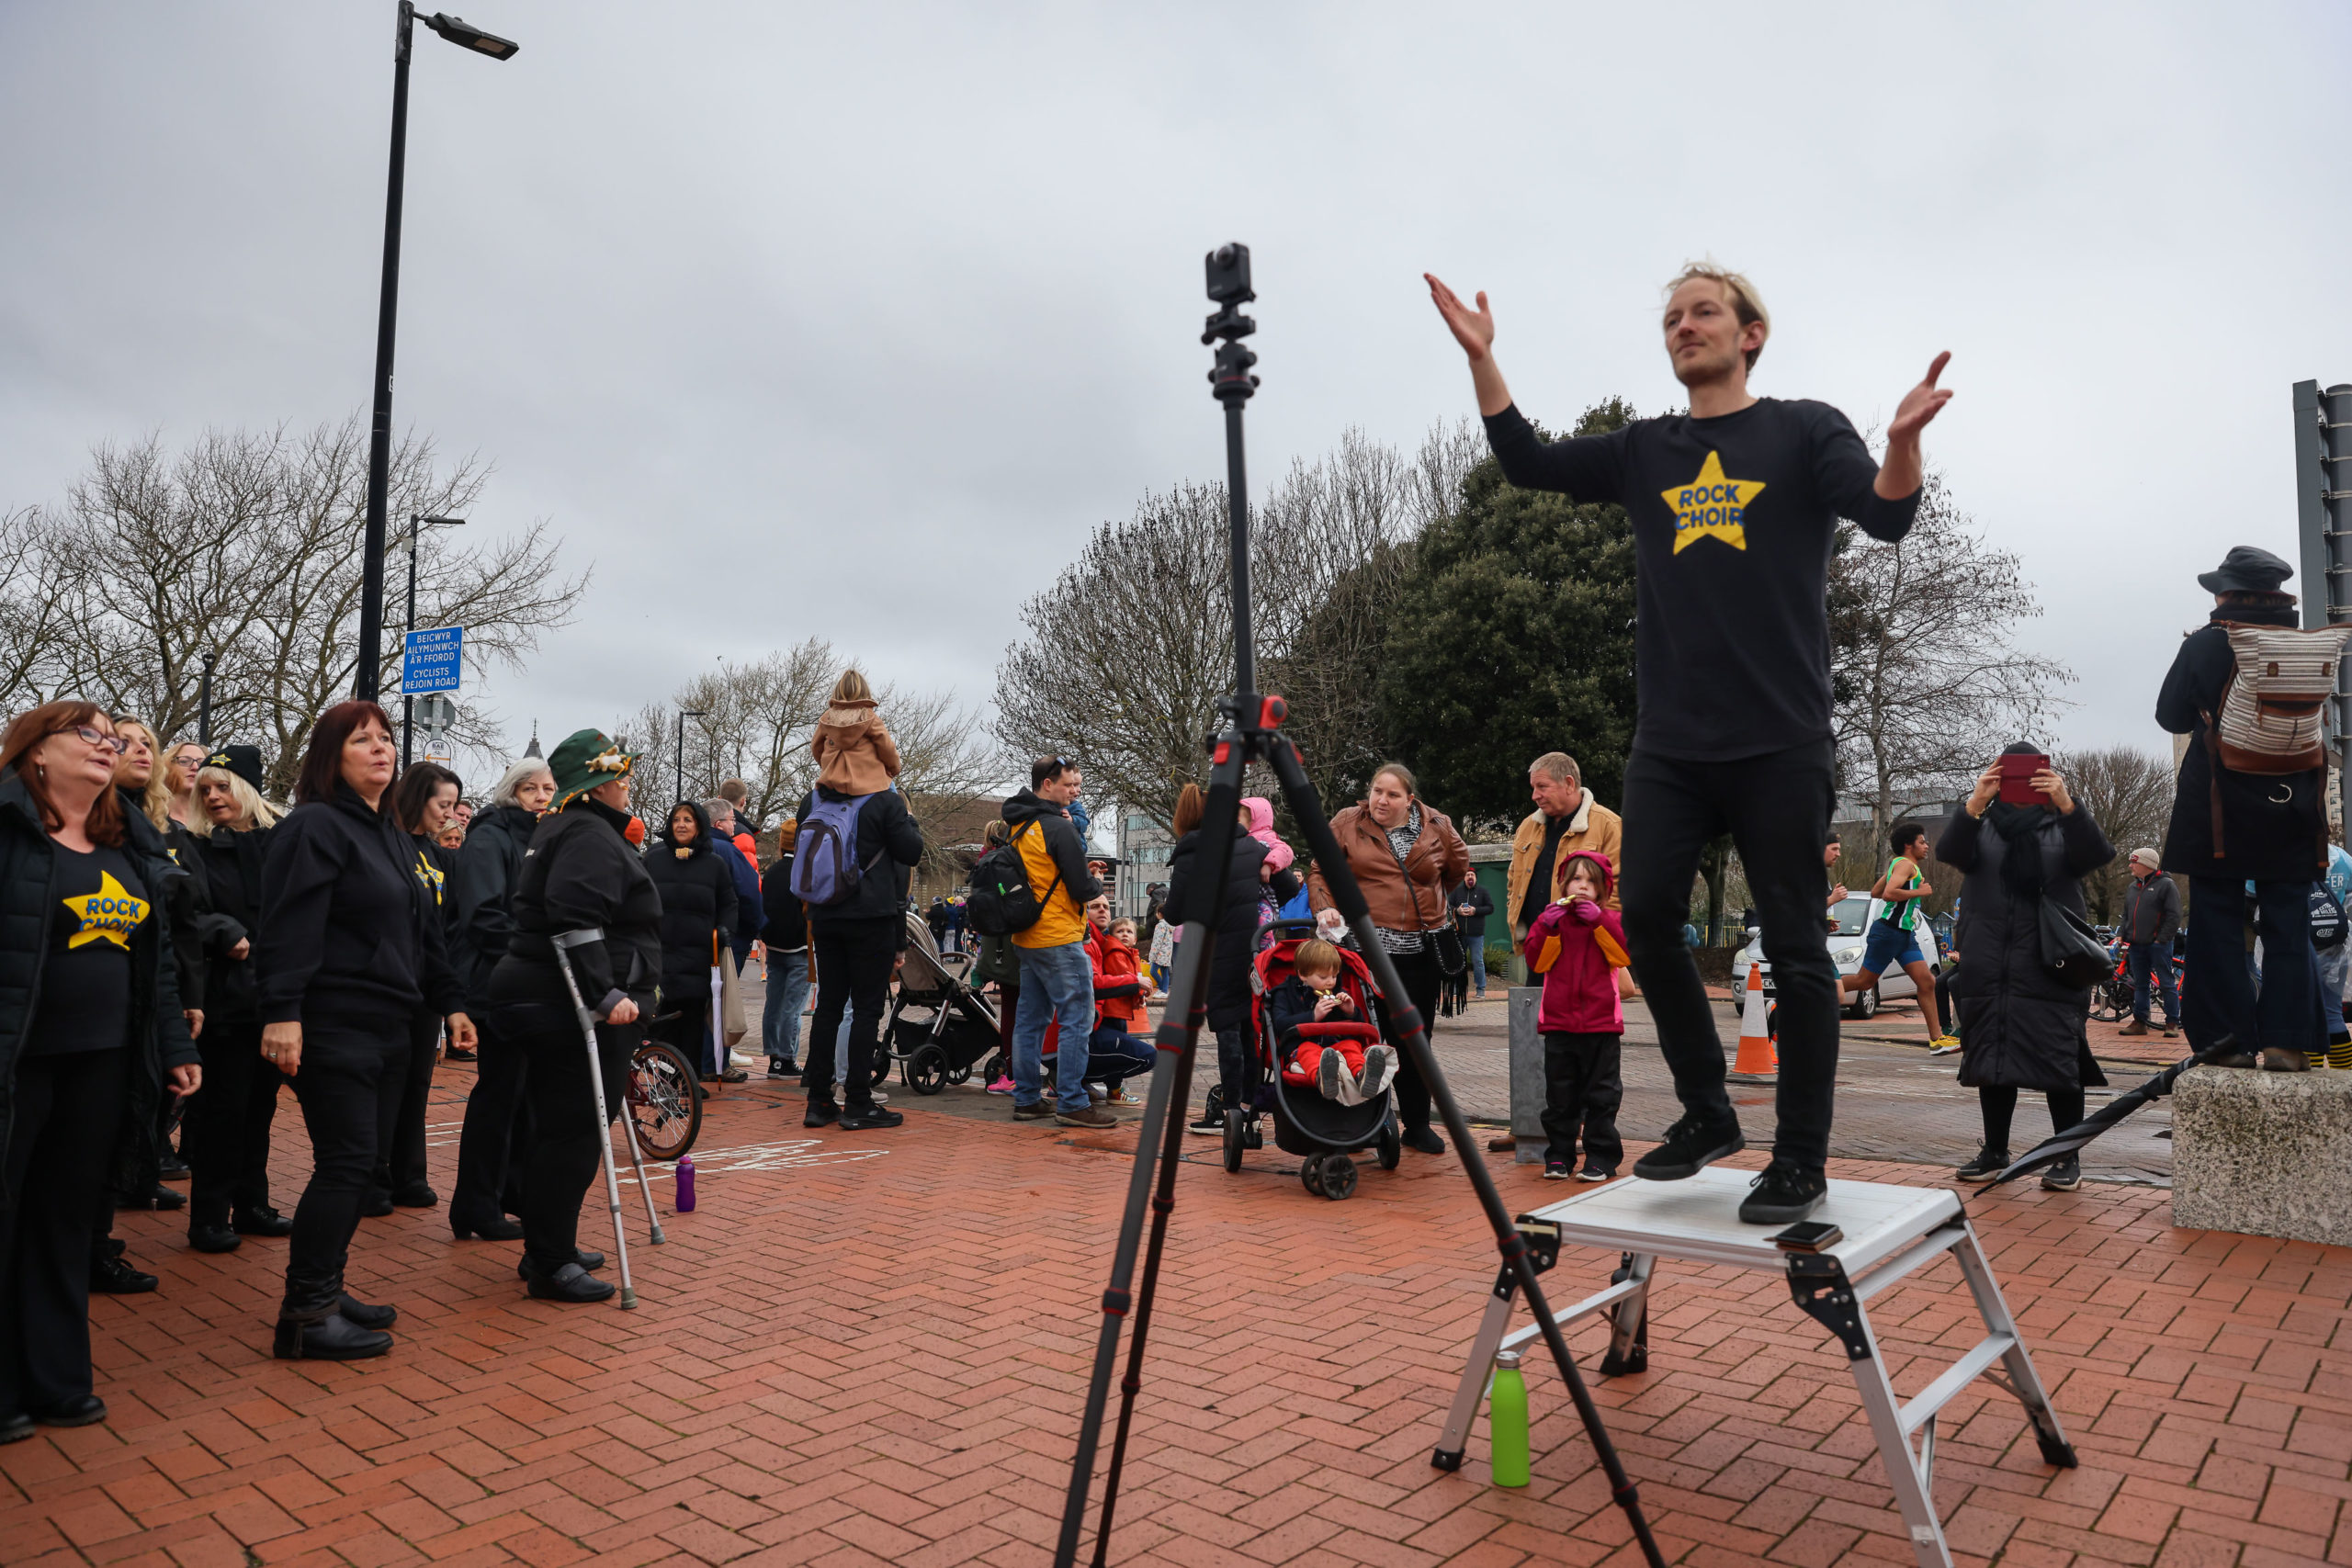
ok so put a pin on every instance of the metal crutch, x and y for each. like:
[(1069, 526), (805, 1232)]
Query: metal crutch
[(564, 941)]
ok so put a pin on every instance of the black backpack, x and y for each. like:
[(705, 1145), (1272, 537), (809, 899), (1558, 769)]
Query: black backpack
[(1000, 900)]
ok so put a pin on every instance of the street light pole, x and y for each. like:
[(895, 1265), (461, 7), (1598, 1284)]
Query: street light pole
[(407, 698), (683, 715), (367, 679)]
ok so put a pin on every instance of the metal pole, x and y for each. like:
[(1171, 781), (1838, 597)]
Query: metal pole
[(407, 698), (682, 753), (204, 703), (2335, 416), (1237, 486), (367, 679)]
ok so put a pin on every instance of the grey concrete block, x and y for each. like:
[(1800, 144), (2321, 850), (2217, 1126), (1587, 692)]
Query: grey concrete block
[(1526, 1075), (2263, 1153)]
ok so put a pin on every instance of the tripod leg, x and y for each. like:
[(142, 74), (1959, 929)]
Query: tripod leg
[(1187, 991), (1412, 1028)]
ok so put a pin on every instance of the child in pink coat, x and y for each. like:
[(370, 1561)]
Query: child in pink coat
[(1577, 944)]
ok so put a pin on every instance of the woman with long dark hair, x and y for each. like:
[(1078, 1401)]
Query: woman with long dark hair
[(2019, 1026), (422, 802), (227, 1126), (697, 923), (350, 949), (1405, 855), (90, 1035), (582, 885)]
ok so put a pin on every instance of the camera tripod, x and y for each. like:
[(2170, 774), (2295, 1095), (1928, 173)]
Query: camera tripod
[(1250, 730)]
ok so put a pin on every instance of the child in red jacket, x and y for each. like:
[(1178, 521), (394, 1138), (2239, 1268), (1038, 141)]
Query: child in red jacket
[(1577, 944)]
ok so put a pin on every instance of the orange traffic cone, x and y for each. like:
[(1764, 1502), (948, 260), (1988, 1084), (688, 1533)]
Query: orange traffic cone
[(1756, 1057)]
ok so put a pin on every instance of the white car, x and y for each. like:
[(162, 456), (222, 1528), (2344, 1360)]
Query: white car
[(1842, 928)]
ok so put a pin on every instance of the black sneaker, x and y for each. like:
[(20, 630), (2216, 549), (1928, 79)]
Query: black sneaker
[(1691, 1145), (1784, 1194), (2063, 1177), (1211, 1122), (821, 1113), (783, 1070), (115, 1278), (1597, 1173), (1989, 1163), (870, 1119), (1557, 1170)]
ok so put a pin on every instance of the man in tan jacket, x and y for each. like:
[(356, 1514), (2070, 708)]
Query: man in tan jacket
[(1566, 820)]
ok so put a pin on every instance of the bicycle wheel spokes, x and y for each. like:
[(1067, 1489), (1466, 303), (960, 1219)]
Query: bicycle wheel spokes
[(663, 1104)]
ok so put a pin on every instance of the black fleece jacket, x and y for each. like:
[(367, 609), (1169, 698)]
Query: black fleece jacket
[(488, 862), (786, 924), (230, 865), (349, 938), (581, 874)]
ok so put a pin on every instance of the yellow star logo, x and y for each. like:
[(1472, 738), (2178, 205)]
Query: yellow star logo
[(1711, 506), (108, 915), (431, 876)]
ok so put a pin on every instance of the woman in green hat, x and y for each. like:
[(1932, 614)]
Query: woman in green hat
[(582, 874)]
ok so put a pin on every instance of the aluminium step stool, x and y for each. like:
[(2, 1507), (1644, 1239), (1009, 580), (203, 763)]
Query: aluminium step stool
[(1891, 1231)]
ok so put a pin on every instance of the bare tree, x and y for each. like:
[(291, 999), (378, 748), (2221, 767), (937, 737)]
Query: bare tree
[(2129, 794), (1927, 675), (32, 649)]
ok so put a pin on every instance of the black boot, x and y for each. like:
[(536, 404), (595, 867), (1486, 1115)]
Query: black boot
[(214, 1237), (464, 1224), (416, 1195), (334, 1337), (580, 1254), (260, 1222), (568, 1283), (351, 1309)]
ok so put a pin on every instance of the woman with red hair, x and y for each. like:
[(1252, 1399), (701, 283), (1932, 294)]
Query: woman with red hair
[(350, 951), (90, 1025)]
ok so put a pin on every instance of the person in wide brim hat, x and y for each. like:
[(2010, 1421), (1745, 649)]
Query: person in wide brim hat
[(583, 760), (2246, 569)]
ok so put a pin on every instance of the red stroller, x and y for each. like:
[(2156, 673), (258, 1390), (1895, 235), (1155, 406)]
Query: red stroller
[(1324, 1133)]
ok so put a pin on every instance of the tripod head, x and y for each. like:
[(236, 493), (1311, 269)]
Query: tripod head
[(1228, 281)]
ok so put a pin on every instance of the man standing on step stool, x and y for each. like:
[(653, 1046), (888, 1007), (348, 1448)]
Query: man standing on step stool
[(1735, 508)]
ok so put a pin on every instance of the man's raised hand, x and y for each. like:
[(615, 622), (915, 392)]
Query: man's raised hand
[(1474, 330), (1919, 405)]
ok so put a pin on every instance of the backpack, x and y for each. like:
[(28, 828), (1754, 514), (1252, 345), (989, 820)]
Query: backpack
[(2273, 707), (1002, 900), (824, 857)]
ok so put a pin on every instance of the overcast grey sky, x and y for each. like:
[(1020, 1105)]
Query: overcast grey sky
[(853, 320)]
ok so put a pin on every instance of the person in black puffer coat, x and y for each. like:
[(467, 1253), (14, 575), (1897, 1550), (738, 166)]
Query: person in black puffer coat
[(91, 1037), (231, 1120), (495, 1146), (421, 802), (582, 876), (2020, 1027), (1230, 965), (699, 918)]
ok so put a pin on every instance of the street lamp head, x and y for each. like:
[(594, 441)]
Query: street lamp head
[(443, 522), (458, 30)]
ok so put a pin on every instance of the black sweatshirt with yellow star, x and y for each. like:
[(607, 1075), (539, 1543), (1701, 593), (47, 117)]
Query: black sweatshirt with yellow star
[(1734, 519)]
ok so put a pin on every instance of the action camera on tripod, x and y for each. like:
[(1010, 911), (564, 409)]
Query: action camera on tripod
[(1228, 270)]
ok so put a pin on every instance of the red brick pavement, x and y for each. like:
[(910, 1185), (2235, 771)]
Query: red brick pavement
[(847, 1362)]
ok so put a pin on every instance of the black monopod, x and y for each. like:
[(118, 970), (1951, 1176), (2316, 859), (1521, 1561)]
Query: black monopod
[(1250, 730)]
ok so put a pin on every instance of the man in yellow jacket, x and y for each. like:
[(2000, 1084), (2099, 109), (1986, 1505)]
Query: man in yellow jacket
[(1056, 975), (1566, 820)]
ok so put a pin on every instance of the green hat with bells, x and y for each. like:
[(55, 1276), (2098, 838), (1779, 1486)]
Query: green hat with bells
[(583, 760)]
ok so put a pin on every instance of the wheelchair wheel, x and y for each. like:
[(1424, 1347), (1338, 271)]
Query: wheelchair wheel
[(1339, 1177), (1233, 1142), (1310, 1175), (663, 1102), (927, 1070)]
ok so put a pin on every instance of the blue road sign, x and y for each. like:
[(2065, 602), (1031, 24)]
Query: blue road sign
[(432, 661)]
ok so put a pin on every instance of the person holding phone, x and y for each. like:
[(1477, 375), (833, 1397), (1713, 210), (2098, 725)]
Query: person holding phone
[(2020, 1026)]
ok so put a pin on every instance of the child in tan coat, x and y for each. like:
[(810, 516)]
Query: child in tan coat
[(855, 753)]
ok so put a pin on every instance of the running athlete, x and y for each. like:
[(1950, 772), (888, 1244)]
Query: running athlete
[(1894, 935), (1735, 507)]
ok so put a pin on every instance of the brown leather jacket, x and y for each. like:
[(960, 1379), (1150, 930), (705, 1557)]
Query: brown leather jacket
[(1440, 859)]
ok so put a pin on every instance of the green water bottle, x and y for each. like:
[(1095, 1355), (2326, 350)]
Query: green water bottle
[(1507, 1421)]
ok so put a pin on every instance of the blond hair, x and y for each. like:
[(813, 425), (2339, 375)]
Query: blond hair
[(1746, 304), (252, 811), (1316, 956), (155, 798), (850, 688)]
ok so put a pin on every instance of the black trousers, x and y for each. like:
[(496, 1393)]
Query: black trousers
[(567, 1154), (341, 1085), (1776, 808), (1943, 1000), (226, 1135), (68, 1110), (399, 1127), (1999, 1103), (1583, 1087), (854, 959), (685, 1031), (2221, 997), (1422, 982), (494, 1149)]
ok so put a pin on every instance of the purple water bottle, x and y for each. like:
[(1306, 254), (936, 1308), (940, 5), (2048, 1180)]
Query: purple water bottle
[(687, 1185)]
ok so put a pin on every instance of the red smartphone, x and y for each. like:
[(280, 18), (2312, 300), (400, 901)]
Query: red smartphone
[(2016, 779)]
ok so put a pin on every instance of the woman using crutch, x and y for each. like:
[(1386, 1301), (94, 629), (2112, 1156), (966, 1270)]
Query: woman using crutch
[(580, 884)]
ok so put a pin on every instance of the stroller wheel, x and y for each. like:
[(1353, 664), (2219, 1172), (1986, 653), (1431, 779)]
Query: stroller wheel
[(1339, 1177), (927, 1070), (1233, 1142), (1390, 1150), (1311, 1174)]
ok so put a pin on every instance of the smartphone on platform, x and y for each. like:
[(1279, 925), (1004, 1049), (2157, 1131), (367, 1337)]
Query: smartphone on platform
[(2016, 778)]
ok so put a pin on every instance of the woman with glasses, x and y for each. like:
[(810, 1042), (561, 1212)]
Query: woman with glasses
[(350, 949), (228, 1124), (90, 1025)]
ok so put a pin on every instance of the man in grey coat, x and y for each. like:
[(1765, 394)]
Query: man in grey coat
[(2151, 921)]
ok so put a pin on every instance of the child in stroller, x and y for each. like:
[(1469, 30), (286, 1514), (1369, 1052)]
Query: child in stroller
[(1321, 1035)]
